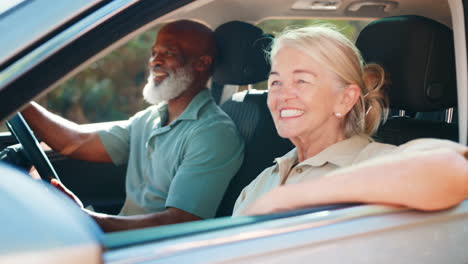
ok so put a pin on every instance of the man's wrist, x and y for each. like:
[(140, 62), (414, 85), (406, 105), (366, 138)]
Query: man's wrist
[(99, 218)]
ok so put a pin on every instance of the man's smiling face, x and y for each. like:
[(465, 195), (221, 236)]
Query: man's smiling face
[(167, 56), (171, 72)]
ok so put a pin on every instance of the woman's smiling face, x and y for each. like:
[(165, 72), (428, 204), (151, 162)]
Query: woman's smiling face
[(303, 96)]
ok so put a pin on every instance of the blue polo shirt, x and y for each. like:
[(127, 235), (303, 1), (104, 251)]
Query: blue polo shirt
[(187, 164)]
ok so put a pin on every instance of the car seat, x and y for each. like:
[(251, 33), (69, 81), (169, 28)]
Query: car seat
[(417, 54), (242, 61)]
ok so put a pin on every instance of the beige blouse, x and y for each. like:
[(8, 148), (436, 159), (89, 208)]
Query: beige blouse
[(342, 154)]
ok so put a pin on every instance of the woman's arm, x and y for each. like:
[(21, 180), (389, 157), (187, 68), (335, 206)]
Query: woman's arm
[(424, 180)]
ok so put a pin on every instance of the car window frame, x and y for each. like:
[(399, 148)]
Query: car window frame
[(100, 26)]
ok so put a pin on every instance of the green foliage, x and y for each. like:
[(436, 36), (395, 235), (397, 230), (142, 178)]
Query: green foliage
[(110, 88), (350, 29)]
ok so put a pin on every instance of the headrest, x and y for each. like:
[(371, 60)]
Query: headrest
[(418, 55), (241, 57)]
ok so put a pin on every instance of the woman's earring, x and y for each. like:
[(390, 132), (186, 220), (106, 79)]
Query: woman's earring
[(338, 114)]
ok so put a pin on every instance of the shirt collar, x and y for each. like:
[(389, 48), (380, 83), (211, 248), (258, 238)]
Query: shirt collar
[(341, 153), (189, 113), (286, 162), (192, 110), (163, 115)]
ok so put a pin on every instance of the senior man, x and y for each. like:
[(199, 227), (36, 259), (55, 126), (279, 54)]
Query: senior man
[(182, 151)]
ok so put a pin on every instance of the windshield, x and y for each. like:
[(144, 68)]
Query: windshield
[(9, 5), (27, 31)]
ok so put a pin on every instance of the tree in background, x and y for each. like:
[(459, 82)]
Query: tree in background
[(111, 88), (108, 89), (350, 29)]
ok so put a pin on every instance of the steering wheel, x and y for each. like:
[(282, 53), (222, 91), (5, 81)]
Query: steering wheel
[(20, 129)]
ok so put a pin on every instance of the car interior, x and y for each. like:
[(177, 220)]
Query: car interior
[(419, 61), (242, 61), (422, 81), (413, 40), (418, 55), (421, 67)]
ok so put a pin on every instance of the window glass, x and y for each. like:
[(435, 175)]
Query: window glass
[(110, 88), (350, 29), (107, 90), (9, 5)]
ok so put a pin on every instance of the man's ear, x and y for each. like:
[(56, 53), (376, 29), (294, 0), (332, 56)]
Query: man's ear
[(203, 63), (348, 98)]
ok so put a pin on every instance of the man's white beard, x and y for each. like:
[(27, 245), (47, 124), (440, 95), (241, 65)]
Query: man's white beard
[(171, 87)]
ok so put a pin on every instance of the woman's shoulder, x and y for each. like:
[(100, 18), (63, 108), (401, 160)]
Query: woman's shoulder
[(374, 149), (286, 162)]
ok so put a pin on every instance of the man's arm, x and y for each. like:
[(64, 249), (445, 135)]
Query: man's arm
[(65, 136), (424, 180), (111, 223)]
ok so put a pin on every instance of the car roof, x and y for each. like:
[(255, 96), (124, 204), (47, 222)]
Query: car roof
[(214, 12)]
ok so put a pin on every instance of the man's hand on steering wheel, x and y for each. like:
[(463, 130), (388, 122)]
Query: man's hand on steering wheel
[(20, 129)]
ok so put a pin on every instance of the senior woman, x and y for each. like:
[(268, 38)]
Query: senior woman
[(327, 102)]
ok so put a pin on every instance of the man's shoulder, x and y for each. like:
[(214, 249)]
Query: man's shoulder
[(212, 115), (150, 112), (213, 125)]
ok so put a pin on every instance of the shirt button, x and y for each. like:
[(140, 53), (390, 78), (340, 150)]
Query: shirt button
[(299, 170)]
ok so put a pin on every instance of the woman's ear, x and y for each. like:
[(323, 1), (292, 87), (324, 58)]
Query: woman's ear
[(203, 63), (349, 97)]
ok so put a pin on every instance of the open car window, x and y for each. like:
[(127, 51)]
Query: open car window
[(110, 89), (47, 19)]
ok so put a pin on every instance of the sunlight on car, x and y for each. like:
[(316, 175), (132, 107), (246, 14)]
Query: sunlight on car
[(9, 4)]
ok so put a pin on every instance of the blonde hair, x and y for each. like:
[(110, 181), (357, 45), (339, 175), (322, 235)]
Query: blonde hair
[(338, 54)]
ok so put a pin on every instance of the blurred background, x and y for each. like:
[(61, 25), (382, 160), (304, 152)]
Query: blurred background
[(110, 88)]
